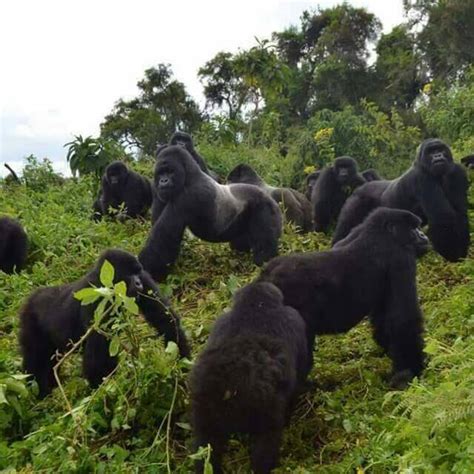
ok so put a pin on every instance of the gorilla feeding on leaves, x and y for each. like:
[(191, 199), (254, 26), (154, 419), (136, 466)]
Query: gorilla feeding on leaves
[(121, 186), (331, 190), (297, 207), (238, 213), (52, 318), (434, 188), (13, 245), (371, 272), (248, 376)]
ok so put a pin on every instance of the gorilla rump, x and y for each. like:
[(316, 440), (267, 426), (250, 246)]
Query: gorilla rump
[(247, 377), (371, 272), (331, 190), (123, 186), (13, 245), (52, 317), (434, 188), (297, 207), (238, 213)]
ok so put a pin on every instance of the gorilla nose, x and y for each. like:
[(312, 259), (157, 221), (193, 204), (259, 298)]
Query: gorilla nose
[(438, 158), (181, 144), (137, 283), (164, 181)]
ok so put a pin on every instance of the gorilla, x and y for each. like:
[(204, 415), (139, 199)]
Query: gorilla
[(184, 139), (248, 376), (468, 161), (371, 272), (241, 214), (434, 188), (52, 317), (13, 245), (310, 180), (123, 186), (331, 190), (297, 207), (371, 175)]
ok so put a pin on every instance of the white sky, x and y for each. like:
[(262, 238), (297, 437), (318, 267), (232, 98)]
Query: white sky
[(65, 62)]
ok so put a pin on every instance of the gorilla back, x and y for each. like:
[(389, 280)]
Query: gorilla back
[(240, 213), (371, 272), (13, 245)]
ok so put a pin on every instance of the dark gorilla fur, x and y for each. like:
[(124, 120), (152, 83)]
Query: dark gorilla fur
[(371, 272), (13, 245), (468, 161), (297, 209), (434, 188), (52, 317), (310, 181), (248, 376), (123, 186), (331, 190), (371, 175), (238, 213)]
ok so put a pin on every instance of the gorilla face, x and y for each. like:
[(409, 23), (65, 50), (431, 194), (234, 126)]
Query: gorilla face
[(116, 174), (169, 177), (403, 227), (435, 157), (345, 168), (183, 139)]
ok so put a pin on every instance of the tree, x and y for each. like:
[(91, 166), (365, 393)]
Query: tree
[(162, 107)]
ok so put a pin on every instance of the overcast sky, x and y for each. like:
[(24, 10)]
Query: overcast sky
[(65, 62)]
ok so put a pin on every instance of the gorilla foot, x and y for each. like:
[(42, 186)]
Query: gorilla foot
[(400, 380)]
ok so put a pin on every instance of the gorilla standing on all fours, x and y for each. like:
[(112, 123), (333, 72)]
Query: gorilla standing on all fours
[(123, 186), (238, 213), (248, 376), (13, 245), (331, 190), (434, 188), (297, 207), (371, 272), (52, 318)]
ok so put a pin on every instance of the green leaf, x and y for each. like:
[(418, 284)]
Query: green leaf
[(114, 346), (87, 296), (172, 349), (121, 288), (107, 274)]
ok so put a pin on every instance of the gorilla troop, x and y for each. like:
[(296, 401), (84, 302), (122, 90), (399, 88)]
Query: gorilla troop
[(248, 376), (297, 209), (121, 186), (434, 188), (52, 318), (331, 190), (13, 245), (371, 272), (238, 213)]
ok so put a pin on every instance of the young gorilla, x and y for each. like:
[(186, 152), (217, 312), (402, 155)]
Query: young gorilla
[(310, 181), (13, 245), (434, 188), (52, 318), (248, 376), (238, 213), (297, 207), (331, 190), (123, 186), (371, 175), (371, 272), (468, 161)]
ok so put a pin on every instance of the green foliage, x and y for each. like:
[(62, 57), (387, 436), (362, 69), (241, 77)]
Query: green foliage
[(39, 175)]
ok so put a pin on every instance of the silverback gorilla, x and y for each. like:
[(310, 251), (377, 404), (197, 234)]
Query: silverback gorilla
[(297, 209), (123, 186), (13, 245), (434, 188), (248, 376), (238, 213), (371, 272), (331, 190), (52, 318)]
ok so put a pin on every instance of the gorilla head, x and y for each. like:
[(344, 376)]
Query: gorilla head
[(116, 174), (468, 161), (244, 174), (310, 181), (435, 157), (183, 139), (345, 169)]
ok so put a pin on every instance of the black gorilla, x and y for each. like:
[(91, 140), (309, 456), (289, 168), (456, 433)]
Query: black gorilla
[(371, 175), (123, 186), (248, 376), (297, 207), (468, 161), (185, 140), (13, 245), (331, 190), (52, 317), (434, 188), (238, 213), (310, 180), (371, 272)]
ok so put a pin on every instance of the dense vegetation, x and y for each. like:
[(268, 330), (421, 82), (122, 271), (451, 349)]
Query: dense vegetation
[(274, 106)]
